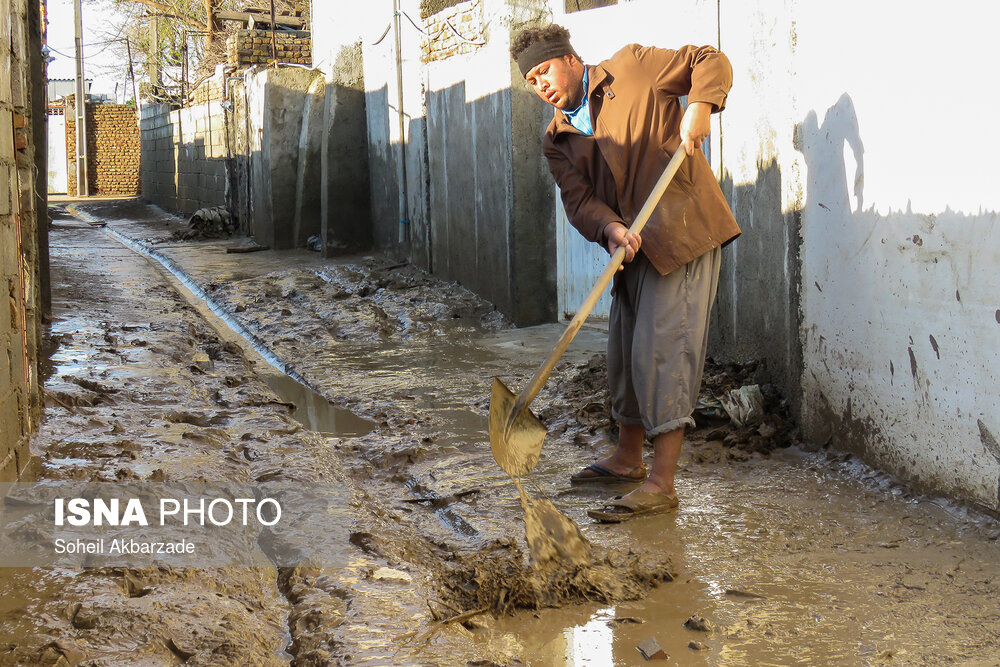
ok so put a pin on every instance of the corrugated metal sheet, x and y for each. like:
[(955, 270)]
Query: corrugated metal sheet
[(579, 264)]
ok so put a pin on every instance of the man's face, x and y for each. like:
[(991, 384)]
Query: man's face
[(558, 81)]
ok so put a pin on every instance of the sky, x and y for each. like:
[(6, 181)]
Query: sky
[(102, 63)]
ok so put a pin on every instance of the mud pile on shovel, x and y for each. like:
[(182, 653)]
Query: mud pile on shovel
[(564, 569)]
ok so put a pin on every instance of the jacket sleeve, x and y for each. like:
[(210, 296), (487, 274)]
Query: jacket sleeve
[(584, 208), (703, 73)]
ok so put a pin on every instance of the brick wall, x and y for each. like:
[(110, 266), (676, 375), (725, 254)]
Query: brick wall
[(20, 404), (453, 31), (253, 47), (184, 156), (112, 149)]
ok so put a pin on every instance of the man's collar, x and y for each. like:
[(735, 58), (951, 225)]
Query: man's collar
[(598, 76)]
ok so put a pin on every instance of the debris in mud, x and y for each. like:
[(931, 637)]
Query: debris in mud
[(622, 620), (697, 646), (497, 579), (580, 406), (213, 222), (698, 624), (389, 575), (650, 650)]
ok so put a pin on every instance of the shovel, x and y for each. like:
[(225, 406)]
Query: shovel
[(516, 435)]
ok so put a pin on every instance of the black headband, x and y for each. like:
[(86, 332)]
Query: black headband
[(541, 51)]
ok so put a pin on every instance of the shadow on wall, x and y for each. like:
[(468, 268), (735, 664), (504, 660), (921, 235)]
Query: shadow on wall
[(896, 324), (179, 176), (479, 198), (757, 315), (345, 197)]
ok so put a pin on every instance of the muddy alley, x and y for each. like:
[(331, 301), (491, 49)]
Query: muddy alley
[(177, 358)]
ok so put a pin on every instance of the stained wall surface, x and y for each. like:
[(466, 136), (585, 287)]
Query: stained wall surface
[(455, 174)]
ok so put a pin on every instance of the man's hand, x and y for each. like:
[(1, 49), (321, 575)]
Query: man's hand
[(695, 126), (618, 235)]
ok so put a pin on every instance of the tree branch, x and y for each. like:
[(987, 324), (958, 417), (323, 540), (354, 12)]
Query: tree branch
[(167, 10)]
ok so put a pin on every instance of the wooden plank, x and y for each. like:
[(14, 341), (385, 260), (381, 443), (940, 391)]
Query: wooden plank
[(263, 19)]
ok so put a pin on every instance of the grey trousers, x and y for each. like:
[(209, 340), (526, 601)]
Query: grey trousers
[(657, 341)]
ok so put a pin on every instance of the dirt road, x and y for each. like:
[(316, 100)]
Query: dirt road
[(782, 555)]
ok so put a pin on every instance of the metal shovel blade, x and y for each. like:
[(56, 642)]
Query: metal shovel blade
[(516, 444)]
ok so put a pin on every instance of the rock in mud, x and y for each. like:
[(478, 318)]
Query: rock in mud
[(389, 575), (698, 624), (650, 650)]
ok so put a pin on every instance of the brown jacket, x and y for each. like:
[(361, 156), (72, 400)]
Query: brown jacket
[(636, 117)]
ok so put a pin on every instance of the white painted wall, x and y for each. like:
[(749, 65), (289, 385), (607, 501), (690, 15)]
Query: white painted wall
[(901, 335)]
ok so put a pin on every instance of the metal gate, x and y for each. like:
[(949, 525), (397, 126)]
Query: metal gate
[(578, 265)]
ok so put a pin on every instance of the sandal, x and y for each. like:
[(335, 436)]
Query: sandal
[(595, 474), (637, 503)]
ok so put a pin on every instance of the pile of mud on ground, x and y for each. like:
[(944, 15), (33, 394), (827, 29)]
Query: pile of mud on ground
[(786, 555)]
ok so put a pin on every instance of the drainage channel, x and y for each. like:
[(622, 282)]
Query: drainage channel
[(311, 408)]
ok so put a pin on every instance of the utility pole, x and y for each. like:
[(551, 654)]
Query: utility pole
[(404, 206), (131, 73), (274, 38), (82, 189)]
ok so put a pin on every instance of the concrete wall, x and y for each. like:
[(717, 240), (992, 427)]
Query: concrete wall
[(184, 156), (20, 308), (901, 327), (465, 171), (344, 179), (285, 117)]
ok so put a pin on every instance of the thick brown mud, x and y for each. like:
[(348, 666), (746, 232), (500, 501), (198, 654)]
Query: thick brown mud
[(783, 555)]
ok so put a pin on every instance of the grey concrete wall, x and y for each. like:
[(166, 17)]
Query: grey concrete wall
[(183, 156), (286, 109), (475, 192), (757, 314), (344, 183), (346, 198)]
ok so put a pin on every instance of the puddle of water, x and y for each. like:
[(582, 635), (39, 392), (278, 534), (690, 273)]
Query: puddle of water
[(315, 412), (312, 410)]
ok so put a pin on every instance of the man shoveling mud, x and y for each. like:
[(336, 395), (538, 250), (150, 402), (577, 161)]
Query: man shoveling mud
[(615, 128)]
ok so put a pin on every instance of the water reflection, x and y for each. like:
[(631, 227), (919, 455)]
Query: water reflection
[(314, 411), (591, 643)]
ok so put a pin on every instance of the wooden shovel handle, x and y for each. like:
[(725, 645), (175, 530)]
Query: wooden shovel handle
[(525, 398)]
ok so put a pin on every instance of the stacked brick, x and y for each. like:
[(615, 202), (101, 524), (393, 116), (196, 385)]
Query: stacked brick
[(112, 149), (20, 398), (453, 31), (253, 47)]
